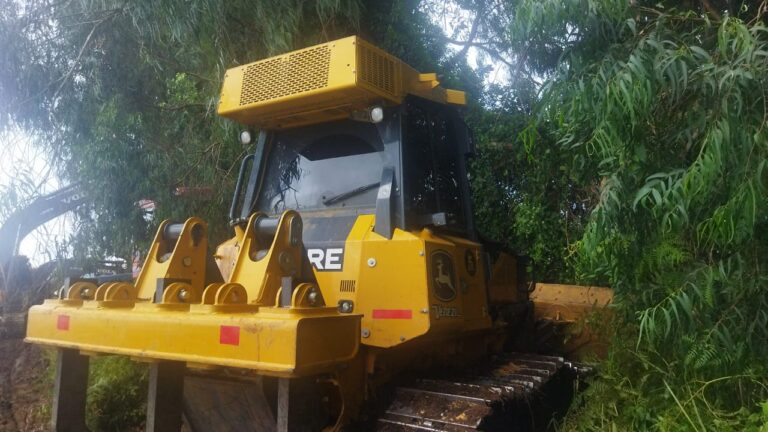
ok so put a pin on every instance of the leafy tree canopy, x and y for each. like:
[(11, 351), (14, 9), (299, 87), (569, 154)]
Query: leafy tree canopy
[(662, 106)]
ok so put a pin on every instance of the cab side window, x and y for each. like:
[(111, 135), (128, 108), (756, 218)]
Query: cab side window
[(431, 166)]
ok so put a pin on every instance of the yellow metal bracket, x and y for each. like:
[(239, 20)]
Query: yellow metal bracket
[(265, 258), (430, 78), (177, 257)]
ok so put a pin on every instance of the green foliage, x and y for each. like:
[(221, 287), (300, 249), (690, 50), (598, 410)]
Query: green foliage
[(516, 198), (117, 394), (665, 109)]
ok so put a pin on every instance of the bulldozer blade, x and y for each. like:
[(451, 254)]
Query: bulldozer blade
[(217, 405), (572, 319)]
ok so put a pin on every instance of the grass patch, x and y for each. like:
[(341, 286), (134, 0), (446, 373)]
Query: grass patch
[(117, 394)]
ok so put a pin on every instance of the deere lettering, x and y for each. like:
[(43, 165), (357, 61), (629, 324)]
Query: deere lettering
[(330, 259)]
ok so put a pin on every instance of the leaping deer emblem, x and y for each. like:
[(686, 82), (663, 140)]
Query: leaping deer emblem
[(444, 288)]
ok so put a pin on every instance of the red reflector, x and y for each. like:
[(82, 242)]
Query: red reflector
[(392, 314), (229, 335), (62, 322)]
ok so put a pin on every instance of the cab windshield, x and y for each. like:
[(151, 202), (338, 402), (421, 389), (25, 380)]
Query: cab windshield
[(322, 166)]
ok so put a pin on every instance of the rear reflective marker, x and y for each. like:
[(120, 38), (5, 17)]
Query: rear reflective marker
[(392, 314), (62, 322), (229, 335)]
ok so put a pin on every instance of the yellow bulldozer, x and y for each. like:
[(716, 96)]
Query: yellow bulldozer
[(355, 294)]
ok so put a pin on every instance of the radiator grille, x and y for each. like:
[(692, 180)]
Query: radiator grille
[(286, 75), (377, 69), (347, 286)]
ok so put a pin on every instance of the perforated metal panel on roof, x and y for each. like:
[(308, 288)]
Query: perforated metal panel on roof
[(287, 75), (377, 69)]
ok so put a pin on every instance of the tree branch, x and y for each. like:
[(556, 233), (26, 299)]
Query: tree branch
[(711, 9), (65, 78), (467, 42), (180, 107), (472, 34)]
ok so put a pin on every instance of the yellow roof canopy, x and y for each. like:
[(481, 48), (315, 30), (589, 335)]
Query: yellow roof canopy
[(323, 83)]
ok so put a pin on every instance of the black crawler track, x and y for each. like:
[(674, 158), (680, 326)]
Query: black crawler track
[(513, 392)]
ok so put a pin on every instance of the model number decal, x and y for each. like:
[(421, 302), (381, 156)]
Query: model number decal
[(440, 311), (330, 259)]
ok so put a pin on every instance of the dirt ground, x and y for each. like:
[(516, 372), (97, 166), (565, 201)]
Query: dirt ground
[(25, 387)]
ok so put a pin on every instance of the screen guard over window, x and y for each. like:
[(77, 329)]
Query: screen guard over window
[(432, 167)]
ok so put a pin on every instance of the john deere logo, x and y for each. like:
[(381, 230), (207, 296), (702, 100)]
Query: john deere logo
[(443, 276)]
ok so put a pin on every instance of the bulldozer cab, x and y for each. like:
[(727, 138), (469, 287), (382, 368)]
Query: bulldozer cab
[(409, 169)]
